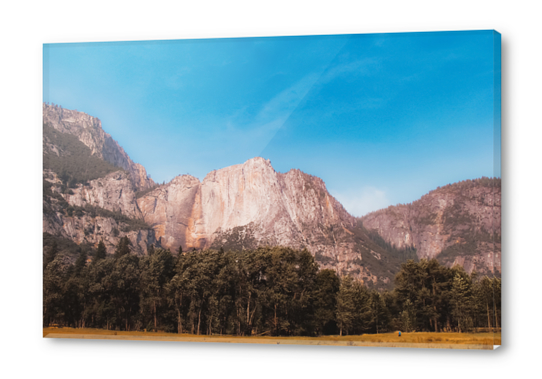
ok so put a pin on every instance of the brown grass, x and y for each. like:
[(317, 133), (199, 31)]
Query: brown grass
[(423, 340)]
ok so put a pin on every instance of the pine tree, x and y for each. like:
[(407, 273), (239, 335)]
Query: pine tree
[(50, 255), (496, 284), (100, 252), (325, 301), (80, 263), (156, 273), (53, 282), (345, 305), (378, 312), (461, 301), (485, 299), (122, 247), (408, 316), (123, 290)]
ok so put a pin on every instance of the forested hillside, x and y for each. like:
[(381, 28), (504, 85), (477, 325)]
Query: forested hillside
[(71, 159)]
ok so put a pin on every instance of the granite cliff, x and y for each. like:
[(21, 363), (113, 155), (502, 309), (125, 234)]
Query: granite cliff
[(104, 209), (457, 224), (247, 205)]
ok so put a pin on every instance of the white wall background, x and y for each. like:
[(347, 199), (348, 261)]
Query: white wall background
[(26, 25)]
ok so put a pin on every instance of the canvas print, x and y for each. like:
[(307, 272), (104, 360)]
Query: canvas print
[(321, 190)]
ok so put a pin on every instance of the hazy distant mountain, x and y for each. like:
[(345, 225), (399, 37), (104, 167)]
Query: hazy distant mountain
[(457, 224)]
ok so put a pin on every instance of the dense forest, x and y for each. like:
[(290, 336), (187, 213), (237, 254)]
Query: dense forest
[(266, 291)]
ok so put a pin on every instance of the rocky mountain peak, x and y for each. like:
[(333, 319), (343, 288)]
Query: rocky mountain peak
[(184, 181), (270, 207), (89, 131)]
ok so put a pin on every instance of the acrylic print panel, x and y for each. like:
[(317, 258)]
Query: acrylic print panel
[(324, 190)]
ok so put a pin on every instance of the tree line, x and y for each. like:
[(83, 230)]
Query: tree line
[(266, 291)]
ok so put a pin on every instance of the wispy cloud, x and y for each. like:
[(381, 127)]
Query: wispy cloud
[(281, 106), (363, 66), (261, 129), (362, 200)]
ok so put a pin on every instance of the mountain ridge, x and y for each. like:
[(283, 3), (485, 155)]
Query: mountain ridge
[(249, 205), (88, 129), (256, 181), (459, 223)]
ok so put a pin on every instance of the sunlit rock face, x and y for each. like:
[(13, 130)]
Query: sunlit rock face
[(89, 130), (457, 224), (172, 210), (272, 208), (113, 193), (92, 230)]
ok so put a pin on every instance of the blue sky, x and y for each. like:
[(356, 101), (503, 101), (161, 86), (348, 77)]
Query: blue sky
[(381, 118)]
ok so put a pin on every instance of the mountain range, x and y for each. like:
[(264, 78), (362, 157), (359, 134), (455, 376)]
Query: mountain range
[(94, 192)]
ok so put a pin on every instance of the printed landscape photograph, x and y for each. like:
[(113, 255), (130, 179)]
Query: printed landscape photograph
[(315, 190)]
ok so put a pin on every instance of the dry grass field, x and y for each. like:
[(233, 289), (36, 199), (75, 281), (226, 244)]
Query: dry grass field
[(416, 340)]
